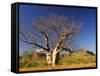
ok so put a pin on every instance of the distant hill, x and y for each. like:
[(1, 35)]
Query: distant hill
[(79, 57)]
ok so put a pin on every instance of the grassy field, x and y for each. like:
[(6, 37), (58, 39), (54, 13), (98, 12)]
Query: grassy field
[(79, 59), (71, 66)]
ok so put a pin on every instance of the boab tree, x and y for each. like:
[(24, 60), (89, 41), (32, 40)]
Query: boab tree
[(52, 33)]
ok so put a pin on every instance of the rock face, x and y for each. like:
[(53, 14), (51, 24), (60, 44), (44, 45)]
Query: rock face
[(89, 52), (83, 53)]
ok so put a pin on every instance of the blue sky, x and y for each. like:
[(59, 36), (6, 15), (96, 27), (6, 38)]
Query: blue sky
[(87, 16)]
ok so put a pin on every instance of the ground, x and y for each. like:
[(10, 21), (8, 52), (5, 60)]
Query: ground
[(59, 67), (78, 59)]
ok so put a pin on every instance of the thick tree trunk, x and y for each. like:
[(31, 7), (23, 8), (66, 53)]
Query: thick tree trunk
[(53, 59), (57, 58), (49, 58)]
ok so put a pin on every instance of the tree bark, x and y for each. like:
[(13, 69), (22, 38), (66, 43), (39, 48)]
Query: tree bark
[(57, 58), (53, 59), (49, 58)]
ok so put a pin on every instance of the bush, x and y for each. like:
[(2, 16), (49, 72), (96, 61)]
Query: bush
[(31, 60)]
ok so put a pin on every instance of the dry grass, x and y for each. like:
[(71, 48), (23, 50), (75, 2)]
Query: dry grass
[(79, 59), (58, 67)]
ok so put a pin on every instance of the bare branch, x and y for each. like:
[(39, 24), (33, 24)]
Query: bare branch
[(46, 39), (54, 31), (31, 42)]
